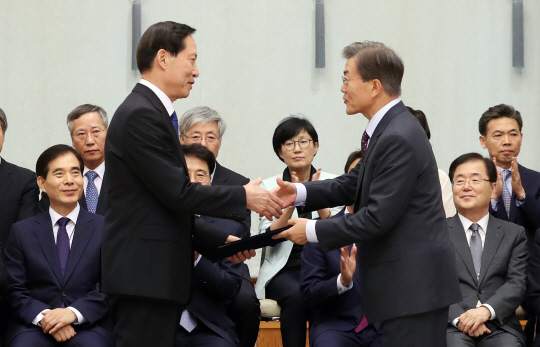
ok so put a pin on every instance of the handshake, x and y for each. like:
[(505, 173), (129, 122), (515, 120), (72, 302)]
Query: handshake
[(269, 203)]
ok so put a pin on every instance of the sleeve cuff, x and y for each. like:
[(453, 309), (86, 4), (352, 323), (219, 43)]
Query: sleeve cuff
[(38, 318), (301, 194), (197, 261), (491, 310), (80, 317), (341, 288), (311, 235), (494, 204), (455, 322), (519, 203)]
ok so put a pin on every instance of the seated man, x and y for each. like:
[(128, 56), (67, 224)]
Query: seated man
[(205, 321), (330, 283), (52, 264), (491, 261)]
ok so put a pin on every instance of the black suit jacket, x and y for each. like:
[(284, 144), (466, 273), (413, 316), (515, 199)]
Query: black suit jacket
[(502, 281), (405, 255), (18, 197), (226, 177), (147, 240), (35, 279), (528, 214)]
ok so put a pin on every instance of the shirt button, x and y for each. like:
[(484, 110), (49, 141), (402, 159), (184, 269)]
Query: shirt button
[(64, 294)]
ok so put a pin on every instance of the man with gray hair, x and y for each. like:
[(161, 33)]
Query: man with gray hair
[(205, 126), (87, 125), (18, 191)]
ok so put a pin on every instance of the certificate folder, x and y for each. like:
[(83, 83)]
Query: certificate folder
[(254, 242)]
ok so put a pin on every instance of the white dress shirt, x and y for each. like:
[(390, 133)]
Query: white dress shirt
[(161, 95), (70, 228), (301, 192), (98, 181), (482, 227)]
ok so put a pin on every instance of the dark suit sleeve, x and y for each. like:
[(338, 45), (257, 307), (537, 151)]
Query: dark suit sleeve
[(511, 294), (156, 165), (531, 207), (333, 192), (207, 237), (394, 178), (28, 206), (318, 290), (93, 306), (534, 275), (221, 280), (3, 279), (23, 305)]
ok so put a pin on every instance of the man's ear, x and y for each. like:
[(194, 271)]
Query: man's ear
[(376, 87), (161, 59), (41, 184), (182, 139), (483, 141)]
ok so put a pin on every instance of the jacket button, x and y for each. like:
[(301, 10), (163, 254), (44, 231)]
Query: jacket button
[(64, 294), (356, 322)]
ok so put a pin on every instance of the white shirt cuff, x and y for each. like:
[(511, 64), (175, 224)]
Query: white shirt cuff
[(340, 287), (301, 194), (197, 261), (455, 322), (80, 317), (311, 235), (38, 318), (519, 203), (494, 204), (491, 310)]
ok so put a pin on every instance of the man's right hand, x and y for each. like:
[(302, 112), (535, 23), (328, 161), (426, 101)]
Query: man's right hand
[(65, 333), (260, 200), (286, 191), (348, 264), (282, 221), (497, 192)]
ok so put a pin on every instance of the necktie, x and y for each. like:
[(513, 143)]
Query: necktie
[(476, 248), (364, 143), (174, 120), (62, 243), (188, 321), (92, 195), (506, 195), (363, 324)]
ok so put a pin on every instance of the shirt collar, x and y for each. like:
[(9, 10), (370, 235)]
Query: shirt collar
[(500, 168), (373, 122), (55, 216), (100, 170), (483, 222), (160, 94)]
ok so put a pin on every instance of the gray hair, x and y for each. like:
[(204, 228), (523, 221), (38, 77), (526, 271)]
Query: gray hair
[(201, 114), (3, 121), (374, 60), (84, 109)]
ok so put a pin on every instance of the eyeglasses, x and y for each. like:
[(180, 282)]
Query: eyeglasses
[(304, 143), (472, 181), (199, 138), (81, 135), (346, 80), (201, 175)]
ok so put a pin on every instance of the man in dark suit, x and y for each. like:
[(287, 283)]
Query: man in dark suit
[(405, 255), (205, 126), (53, 264), (491, 261), (18, 191), (147, 253), (87, 126)]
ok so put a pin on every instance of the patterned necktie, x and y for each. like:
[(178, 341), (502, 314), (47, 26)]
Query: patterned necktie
[(364, 143), (188, 321), (174, 120), (92, 195), (62, 243), (476, 248), (506, 195)]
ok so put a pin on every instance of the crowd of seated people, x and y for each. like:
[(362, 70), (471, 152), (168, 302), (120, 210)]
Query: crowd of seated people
[(50, 246)]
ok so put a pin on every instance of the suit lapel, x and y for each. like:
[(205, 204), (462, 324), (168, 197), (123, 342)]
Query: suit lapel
[(5, 178), (82, 234), (102, 199), (494, 236), (82, 201), (218, 177), (44, 233), (459, 240)]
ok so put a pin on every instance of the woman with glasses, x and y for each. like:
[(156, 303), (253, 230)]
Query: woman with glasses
[(296, 143)]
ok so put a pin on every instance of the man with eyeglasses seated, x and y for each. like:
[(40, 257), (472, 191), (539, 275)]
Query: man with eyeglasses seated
[(491, 261), (205, 126), (87, 125), (205, 322)]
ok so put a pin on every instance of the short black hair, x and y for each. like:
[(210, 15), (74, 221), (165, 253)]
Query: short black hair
[(499, 111), (199, 151), (421, 117), (465, 158), (290, 127), (50, 154), (163, 35), (352, 157)]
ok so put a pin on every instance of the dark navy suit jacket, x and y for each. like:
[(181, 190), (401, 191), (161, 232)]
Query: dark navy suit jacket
[(35, 279)]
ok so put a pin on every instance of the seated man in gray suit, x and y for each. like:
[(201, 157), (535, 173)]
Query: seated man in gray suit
[(491, 261)]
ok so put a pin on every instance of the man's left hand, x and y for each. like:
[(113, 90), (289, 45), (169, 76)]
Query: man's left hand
[(297, 233), (517, 187), (240, 256), (55, 319), (472, 319)]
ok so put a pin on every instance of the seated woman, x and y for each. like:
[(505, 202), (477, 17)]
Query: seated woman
[(295, 142)]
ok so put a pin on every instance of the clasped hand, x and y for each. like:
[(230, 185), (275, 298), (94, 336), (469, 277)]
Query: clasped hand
[(58, 322), (472, 321)]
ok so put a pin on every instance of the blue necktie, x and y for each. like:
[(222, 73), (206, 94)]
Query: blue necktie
[(174, 120), (62, 243), (92, 195)]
